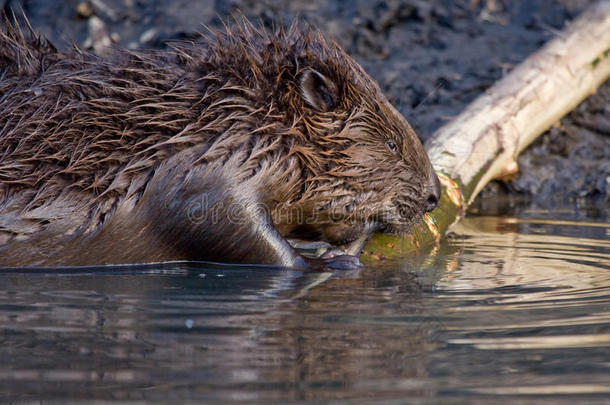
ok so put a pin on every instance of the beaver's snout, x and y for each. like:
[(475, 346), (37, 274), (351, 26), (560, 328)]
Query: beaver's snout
[(434, 191)]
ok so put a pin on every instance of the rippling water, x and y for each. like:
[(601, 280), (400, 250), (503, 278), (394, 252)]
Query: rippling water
[(509, 309)]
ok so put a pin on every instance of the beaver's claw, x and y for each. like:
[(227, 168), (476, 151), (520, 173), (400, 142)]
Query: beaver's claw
[(344, 262), (336, 259)]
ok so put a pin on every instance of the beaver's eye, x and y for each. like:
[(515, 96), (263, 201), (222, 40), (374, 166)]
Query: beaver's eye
[(392, 146)]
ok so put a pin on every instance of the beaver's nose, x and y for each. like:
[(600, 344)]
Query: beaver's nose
[(434, 190)]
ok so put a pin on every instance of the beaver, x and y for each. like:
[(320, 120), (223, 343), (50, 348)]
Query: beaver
[(218, 149)]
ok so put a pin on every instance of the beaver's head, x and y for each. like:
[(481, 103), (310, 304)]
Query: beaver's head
[(365, 166), (325, 145)]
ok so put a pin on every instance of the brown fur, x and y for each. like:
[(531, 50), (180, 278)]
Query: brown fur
[(108, 160)]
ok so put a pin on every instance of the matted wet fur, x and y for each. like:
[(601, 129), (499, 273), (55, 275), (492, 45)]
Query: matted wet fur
[(216, 150)]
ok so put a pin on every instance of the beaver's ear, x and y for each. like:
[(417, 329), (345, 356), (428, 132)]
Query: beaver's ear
[(318, 91)]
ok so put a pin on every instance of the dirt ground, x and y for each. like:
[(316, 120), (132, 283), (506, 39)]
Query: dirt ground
[(430, 57)]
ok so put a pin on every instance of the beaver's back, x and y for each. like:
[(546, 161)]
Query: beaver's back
[(74, 118)]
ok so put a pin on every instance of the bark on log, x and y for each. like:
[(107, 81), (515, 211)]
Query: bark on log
[(483, 142)]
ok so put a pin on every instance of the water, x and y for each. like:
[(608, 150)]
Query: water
[(512, 309)]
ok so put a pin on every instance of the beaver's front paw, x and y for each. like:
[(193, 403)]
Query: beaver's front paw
[(336, 259)]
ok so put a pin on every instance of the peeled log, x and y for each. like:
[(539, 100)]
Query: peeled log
[(483, 142)]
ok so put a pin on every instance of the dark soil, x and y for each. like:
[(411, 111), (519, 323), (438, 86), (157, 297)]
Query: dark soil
[(430, 57)]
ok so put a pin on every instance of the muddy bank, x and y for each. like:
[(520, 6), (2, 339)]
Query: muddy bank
[(430, 57)]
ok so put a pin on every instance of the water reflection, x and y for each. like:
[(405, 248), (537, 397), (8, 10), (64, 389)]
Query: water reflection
[(508, 308)]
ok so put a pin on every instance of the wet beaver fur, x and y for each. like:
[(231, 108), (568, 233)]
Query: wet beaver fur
[(217, 150)]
